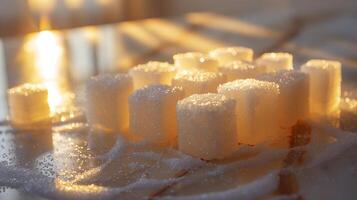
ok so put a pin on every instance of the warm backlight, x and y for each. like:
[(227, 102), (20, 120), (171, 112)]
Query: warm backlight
[(48, 55)]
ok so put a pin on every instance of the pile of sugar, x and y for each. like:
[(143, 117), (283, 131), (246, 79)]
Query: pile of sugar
[(35, 182)]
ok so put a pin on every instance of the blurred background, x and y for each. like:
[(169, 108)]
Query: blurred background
[(23, 16)]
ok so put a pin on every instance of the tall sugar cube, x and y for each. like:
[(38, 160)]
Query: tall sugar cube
[(153, 113), (294, 95), (28, 104), (325, 85), (207, 126), (226, 55), (196, 82), (257, 120), (152, 73), (273, 62), (240, 70), (195, 61), (107, 101)]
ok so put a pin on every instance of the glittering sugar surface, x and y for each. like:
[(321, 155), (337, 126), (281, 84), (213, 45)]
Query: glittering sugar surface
[(28, 89), (71, 128), (190, 55), (154, 67), (251, 85), (110, 80), (230, 50), (322, 64), (276, 56), (154, 92), (284, 77), (198, 76), (209, 101), (239, 65), (135, 171)]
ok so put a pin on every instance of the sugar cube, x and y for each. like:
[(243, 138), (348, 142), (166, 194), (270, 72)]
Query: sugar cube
[(294, 95), (195, 61), (240, 70), (273, 62), (196, 82), (107, 101), (207, 126), (325, 86), (226, 55), (153, 113), (257, 121), (28, 104), (187, 60), (152, 73)]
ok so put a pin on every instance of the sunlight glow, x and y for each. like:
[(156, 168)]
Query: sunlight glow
[(48, 53)]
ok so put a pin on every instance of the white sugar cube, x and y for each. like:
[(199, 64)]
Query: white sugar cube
[(207, 126), (226, 55), (240, 70), (257, 120), (152, 73), (325, 85), (153, 113), (195, 61), (28, 104), (107, 101), (294, 95), (273, 62), (196, 82)]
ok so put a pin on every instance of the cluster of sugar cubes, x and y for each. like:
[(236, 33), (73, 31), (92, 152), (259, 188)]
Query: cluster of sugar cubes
[(203, 98)]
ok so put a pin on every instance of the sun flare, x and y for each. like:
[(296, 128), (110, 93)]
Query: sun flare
[(48, 54)]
